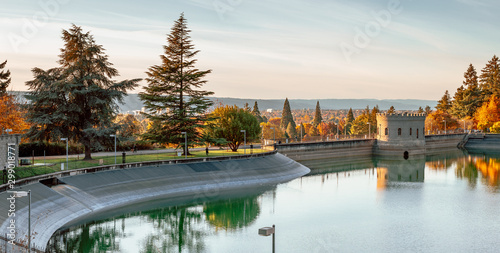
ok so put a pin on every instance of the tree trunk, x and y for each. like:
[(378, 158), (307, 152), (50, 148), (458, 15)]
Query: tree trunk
[(88, 153)]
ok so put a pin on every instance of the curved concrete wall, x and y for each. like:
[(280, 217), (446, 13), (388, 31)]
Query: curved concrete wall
[(84, 196)]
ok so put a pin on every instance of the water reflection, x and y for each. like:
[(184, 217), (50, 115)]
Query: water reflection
[(317, 198), (399, 170), (171, 229), (232, 213), (472, 167)]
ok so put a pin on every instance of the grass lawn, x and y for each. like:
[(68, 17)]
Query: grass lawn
[(74, 163)]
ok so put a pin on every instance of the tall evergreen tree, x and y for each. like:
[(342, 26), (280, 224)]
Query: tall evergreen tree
[(246, 107), (444, 104), (173, 98), (4, 79), (490, 78), (349, 120), (286, 116), (468, 97), (291, 131), (78, 99), (428, 110), (317, 115), (256, 112)]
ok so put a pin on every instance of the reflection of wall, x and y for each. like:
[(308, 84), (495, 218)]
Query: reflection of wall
[(411, 170)]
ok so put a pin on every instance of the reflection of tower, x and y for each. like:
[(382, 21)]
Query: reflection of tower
[(399, 170)]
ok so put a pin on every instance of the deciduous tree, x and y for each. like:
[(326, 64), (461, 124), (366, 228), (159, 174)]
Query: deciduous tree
[(228, 121), (11, 115), (488, 113), (391, 110)]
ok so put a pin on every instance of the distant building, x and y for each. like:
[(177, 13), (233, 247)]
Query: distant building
[(401, 133), (269, 110)]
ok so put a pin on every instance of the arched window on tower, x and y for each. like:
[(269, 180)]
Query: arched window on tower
[(399, 131), (410, 131), (417, 133), (386, 131)]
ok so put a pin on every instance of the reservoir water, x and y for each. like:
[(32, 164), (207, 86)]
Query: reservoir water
[(440, 203)]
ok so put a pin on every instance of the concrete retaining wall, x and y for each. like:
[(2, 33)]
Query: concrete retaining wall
[(82, 197), (439, 143), (490, 142), (329, 149)]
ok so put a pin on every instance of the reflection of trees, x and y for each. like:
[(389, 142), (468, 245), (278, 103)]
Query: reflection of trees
[(466, 170), (87, 238), (179, 229), (490, 168), (232, 214)]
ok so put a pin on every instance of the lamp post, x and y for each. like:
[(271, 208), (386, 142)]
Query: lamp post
[(114, 135), (267, 231), (245, 141), (19, 194), (444, 126), (67, 159), (185, 144), (369, 129)]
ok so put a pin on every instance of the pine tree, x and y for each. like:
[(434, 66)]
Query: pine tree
[(4, 79), (256, 112), (173, 99), (286, 116), (78, 99), (468, 98), (317, 115), (246, 107), (490, 78), (391, 110), (349, 121), (291, 131), (444, 104), (420, 110), (428, 110)]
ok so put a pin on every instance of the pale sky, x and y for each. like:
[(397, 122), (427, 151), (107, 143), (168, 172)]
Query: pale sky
[(313, 49)]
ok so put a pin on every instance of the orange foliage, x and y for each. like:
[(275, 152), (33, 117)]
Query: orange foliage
[(490, 170), (275, 121), (488, 114), (11, 115)]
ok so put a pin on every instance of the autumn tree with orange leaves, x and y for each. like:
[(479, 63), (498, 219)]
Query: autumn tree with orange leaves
[(11, 115), (488, 114)]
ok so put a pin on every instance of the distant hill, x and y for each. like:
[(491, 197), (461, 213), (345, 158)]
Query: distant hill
[(132, 103)]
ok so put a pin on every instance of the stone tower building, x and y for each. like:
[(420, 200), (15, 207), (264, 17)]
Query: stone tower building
[(400, 134)]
